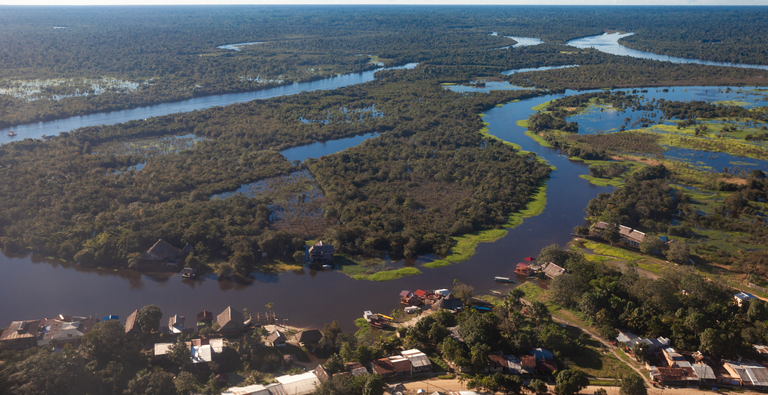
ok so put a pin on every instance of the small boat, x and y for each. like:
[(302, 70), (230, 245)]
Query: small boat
[(503, 279), (12, 133), (189, 272), (327, 266), (411, 309)]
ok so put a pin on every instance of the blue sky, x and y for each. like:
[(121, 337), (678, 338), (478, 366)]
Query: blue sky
[(409, 2)]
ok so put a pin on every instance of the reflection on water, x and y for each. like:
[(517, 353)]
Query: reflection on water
[(322, 148), (37, 130), (609, 43), (544, 68), (321, 296), (237, 47)]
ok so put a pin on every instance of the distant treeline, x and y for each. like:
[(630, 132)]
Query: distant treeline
[(171, 51)]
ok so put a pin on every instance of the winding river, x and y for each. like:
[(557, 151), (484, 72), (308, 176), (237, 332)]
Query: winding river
[(40, 287), (609, 43), (303, 297), (40, 129)]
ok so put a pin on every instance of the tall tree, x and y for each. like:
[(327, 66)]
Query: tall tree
[(149, 318), (633, 384), (570, 382)]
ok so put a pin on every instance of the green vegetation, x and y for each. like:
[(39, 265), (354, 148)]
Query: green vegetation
[(465, 245), (389, 274)]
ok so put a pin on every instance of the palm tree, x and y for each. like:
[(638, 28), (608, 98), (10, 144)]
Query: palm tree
[(271, 314), (539, 312)]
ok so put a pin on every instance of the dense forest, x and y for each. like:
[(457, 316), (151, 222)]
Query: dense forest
[(76, 196), (169, 55)]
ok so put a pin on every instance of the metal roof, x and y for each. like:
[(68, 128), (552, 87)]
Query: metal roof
[(299, 384), (418, 359), (704, 371)]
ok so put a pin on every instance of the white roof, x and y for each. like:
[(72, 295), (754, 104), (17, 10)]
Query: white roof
[(397, 358), (202, 354), (418, 359), (299, 384), (217, 345), (256, 389), (744, 296), (163, 348)]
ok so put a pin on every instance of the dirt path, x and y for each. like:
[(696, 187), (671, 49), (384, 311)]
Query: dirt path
[(605, 343), (453, 385)]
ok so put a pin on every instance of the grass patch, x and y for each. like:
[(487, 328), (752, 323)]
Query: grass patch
[(605, 383), (604, 182), (278, 266), (542, 106), (596, 258), (533, 208), (731, 103), (615, 252), (523, 123), (538, 139), (388, 274), (436, 264), (466, 244), (533, 292)]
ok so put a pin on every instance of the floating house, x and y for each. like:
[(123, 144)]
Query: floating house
[(189, 272), (321, 252), (523, 269)]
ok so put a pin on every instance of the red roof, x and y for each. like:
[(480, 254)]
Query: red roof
[(420, 293), (522, 265)]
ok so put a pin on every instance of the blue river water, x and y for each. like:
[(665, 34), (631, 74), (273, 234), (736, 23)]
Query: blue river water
[(37, 130), (609, 43), (122, 291)]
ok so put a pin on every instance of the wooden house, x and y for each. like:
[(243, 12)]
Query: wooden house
[(383, 367), (65, 329), (131, 326), (309, 337), (523, 269), (205, 317), (162, 251), (321, 252), (528, 363), (553, 270), (408, 298), (20, 335), (276, 339), (230, 321)]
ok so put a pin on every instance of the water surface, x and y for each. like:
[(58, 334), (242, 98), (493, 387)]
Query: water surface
[(37, 130), (609, 43)]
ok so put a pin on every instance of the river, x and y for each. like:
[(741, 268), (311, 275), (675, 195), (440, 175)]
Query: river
[(38, 130), (609, 43), (35, 287), (304, 297)]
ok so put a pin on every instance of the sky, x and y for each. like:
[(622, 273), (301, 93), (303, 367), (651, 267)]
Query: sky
[(407, 2)]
